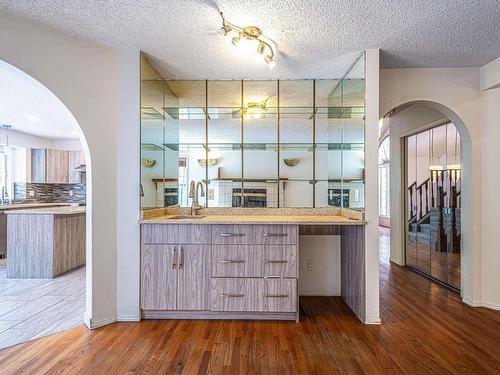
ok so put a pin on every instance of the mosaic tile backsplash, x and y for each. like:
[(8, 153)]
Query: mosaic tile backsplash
[(30, 192)]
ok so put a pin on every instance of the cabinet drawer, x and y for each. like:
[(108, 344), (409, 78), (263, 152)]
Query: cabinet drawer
[(160, 234), (280, 260), (254, 295), (279, 295), (236, 295), (275, 234), (231, 234), (195, 234), (237, 260)]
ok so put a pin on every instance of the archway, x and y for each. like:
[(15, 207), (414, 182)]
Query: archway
[(397, 197), (64, 116)]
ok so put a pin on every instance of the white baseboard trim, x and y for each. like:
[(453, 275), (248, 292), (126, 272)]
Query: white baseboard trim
[(493, 306), (101, 322), (128, 318), (373, 321), (488, 305)]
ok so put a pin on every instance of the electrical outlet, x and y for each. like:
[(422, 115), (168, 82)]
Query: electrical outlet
[(71, 193), (31, 193), (311, 265)]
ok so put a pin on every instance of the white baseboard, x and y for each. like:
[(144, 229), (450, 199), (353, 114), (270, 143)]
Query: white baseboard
[(101, 322), (493, 306), (488, 305), (128, 318), (373, 320)]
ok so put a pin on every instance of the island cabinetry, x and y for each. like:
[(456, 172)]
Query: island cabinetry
[(175, 265)]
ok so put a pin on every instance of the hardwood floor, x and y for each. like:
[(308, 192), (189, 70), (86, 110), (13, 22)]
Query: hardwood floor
[(425, 330), (32, 308)]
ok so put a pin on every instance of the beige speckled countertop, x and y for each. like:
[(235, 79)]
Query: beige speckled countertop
[(66, 210), (258, 219), (17, 206)]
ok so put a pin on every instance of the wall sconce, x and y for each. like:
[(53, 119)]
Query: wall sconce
[(291, 162), (148, 163), (264, 47), (211, 162)]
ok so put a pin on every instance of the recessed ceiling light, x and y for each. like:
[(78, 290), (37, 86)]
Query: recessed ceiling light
[(32, 118)]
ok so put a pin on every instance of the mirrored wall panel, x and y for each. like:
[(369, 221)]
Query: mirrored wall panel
[(253, 143), (433, 175)]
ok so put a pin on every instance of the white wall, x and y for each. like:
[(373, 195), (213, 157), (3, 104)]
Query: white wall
[(455, 93), (128, 187), (371, 176), (490, 121), (83, 75), (32, 141)]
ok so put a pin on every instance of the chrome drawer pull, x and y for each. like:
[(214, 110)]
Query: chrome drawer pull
[(181, 261), (276, 261), (232, 261), (273, 277), (229, 295), (275, 295), (174, 264), (266, 234), (232, 234)]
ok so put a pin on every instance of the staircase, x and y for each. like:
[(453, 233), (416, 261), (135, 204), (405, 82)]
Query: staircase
[(430, 221)]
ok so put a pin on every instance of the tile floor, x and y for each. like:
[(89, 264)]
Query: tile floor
[(31, 308)]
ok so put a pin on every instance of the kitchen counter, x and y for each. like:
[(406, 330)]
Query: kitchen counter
[(17, 206), (66, 210), (257, 219)]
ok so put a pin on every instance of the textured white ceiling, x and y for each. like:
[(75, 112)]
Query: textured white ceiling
[(31, 108), (315, 38)]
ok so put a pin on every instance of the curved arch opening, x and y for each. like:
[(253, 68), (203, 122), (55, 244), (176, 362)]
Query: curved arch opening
[(52, 148), (407, 119)]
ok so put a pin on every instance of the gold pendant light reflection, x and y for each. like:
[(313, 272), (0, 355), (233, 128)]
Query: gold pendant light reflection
[(264, 47)]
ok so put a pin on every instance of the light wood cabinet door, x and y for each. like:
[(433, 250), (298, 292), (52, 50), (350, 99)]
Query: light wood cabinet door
[(75, 159), (193, 277), (56, 162), (37, 165), (159, 277)]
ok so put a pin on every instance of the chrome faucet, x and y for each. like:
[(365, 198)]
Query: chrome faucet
[(193, 194)]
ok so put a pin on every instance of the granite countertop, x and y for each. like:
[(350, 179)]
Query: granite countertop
[(17, 206), (257, 219), (53, 210)]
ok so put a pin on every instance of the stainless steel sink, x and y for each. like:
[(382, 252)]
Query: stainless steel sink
[(181, 217)]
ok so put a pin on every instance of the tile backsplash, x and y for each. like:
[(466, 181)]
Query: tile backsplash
[(31, 192)]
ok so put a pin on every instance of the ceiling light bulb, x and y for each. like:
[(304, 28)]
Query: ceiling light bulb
[(235, 40), (270, 62), (222, 32), (260, 48)]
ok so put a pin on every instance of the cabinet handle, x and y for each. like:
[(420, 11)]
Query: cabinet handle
[(181, 255), (275, 295), (229, 295), (267, 234), (232, 234), (276, 261), (174, 256), (273, 277), (232, 261)]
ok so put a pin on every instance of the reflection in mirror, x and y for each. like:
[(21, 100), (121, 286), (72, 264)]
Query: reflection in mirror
[(253, 143)]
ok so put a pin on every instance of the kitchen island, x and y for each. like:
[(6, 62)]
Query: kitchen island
[(17, 206), (45, 242)]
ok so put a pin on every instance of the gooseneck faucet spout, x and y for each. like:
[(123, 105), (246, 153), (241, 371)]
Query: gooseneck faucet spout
[(193, 194)]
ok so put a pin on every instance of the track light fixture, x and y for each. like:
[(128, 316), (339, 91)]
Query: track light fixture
[(264, 47)]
